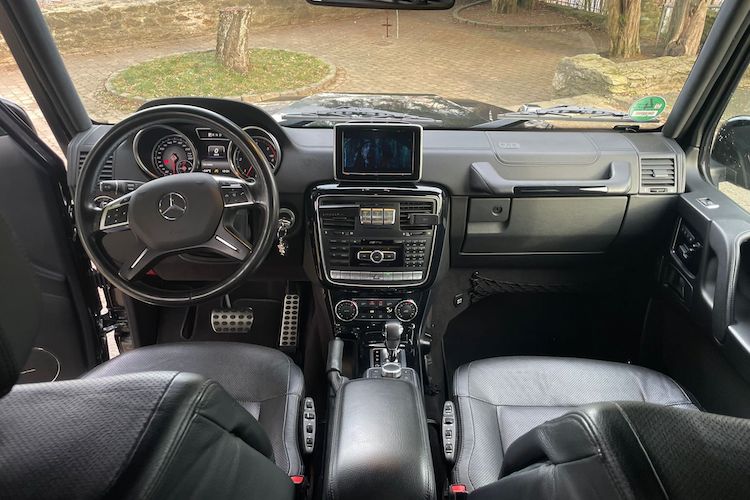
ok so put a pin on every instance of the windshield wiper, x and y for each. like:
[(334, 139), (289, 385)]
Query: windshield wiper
[(352, 113), (562, 112)]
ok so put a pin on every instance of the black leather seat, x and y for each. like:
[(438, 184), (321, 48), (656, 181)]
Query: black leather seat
[(121, 433), (501, 399), (627, 450), (264, 381)]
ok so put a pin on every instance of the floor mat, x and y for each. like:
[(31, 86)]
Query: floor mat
[(580, 325), (194, 324)]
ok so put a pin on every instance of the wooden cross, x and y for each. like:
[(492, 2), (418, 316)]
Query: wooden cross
[(387, 26)]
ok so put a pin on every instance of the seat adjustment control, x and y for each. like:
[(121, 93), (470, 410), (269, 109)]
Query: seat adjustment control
[(448, 431), (309, 424)]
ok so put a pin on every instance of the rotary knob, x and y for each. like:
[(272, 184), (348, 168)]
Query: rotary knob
[(346, 310), (406, 310), (376, 256)]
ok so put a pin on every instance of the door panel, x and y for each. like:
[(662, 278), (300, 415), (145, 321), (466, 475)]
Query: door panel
[(33, 201), (702, 319)]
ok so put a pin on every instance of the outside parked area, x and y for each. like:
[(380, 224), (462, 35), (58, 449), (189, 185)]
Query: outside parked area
[(506, 53)]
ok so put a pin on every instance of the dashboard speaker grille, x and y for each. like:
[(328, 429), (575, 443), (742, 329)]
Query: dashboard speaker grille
[(107, 171), (658, 175)]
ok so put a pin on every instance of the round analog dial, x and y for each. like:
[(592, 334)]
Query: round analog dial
[(267, 144), (173, 154)]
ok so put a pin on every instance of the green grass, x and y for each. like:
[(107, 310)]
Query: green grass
[(200, 74)]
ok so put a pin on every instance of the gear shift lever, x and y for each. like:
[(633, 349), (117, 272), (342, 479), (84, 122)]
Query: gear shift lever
[(393, 331)]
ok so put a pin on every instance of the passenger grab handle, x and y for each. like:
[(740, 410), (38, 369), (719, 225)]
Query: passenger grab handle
[(484, 178)]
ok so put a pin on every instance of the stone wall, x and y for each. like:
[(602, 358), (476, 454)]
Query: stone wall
[(85, 26), (593, 74)]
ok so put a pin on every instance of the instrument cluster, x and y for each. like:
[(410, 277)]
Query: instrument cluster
[(162, 150)]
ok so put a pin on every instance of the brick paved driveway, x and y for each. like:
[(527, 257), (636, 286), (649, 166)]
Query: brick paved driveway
[(432, 54)]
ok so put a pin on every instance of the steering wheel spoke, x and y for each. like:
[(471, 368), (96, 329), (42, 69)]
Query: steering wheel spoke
[(227, 243), (239, 193), (115, 216), (139, 262)]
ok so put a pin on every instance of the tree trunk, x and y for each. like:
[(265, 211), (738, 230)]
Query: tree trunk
[(511, 6), (676, 21), (624, 22), (504, 6), (689, 40), (232, 37)]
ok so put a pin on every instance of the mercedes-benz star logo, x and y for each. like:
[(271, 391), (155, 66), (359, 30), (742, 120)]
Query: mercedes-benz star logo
[(172, 206)]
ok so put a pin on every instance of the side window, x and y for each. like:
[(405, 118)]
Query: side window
[(13, 88), (729, 162)]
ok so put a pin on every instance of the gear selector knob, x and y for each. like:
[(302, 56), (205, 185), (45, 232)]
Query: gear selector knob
[(393, 331)]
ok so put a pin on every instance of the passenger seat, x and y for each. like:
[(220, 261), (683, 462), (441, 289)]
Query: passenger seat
[(500, 399)]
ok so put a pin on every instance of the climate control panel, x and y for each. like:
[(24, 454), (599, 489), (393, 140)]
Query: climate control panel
[(376, 309)]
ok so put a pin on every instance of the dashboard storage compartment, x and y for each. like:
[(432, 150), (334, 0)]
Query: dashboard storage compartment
[(543, 225), (378, 445)]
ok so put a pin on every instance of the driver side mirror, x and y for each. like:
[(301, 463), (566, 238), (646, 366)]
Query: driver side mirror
[(730, 154), (388, 4)]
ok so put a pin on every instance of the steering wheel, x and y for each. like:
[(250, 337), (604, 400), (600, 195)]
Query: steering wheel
[(177, 214)]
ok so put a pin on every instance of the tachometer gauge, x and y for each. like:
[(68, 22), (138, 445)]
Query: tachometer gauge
[(267, 144), (173, 154)]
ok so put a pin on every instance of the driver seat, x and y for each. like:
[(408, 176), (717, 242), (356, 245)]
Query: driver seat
[(142, 426)]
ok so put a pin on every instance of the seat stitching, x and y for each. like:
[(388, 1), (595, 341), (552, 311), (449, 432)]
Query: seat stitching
[(284, 430), (672, 403), (141, 433), (473, 432), (643, 449)]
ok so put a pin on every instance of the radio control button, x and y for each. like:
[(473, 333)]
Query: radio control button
[(417, 275), (335, 275), (365, 216), (377, 216), (389, 216), (398, 276)]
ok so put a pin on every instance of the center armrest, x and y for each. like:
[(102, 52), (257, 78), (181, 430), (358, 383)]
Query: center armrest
[(379, 446)]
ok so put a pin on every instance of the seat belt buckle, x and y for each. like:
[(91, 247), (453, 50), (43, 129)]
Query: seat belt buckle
[(457, 492)]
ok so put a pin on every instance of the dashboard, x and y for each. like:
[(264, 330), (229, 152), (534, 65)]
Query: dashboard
[(498, 198), (162, 150)]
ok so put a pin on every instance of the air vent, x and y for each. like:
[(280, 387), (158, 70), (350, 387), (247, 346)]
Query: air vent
[(658, 175), (338, 219), (409, 208), (106, 174)]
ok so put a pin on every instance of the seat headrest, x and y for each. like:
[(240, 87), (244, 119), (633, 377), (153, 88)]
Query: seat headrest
[(20, 306)]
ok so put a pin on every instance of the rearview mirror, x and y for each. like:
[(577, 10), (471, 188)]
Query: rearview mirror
[(388, 4)]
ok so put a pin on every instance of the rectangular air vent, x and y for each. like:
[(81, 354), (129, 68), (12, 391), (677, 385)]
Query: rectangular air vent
[(409, 208), (658, 175), (338, 218), (107, 171)]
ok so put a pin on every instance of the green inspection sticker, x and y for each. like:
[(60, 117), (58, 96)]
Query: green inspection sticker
[(647, 109)]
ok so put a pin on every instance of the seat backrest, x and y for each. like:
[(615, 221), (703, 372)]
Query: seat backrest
[(146, 435), (20, 300), (628, 450)]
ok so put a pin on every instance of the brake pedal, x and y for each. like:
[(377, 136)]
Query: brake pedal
[(289, 322), (232, 320)]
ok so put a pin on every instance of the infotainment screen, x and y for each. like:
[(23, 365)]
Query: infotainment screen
[(368, 152)]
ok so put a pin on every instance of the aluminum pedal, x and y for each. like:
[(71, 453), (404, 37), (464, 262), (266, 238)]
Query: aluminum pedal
[(232, 320), (289, 321)]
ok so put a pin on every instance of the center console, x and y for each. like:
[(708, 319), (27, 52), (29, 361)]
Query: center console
[(377, 240)]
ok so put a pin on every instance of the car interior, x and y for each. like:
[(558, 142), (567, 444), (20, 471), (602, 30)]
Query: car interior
[(375, 309)]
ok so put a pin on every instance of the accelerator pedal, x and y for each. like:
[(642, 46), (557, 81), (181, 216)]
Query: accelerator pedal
[(289, 322)]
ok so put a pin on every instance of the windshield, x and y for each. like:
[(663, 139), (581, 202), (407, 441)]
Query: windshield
[(483, 64)]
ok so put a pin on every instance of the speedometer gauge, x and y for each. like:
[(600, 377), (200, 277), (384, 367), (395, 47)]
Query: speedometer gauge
[(173, 154), (267, 144)]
